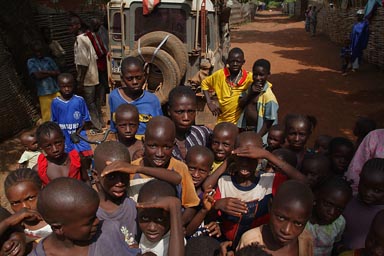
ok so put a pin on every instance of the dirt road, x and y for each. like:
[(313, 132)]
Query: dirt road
[(306, 77)]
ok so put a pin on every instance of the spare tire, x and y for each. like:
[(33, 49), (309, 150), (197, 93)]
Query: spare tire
[(174, 46), (168, 67)]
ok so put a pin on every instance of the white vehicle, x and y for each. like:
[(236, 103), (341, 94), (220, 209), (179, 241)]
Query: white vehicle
[(177, 39)]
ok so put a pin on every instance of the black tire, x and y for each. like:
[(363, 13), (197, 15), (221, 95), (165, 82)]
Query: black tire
[(169, 70), (174, 46)]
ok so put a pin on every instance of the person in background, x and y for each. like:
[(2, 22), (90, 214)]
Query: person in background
[(87, 73), (359, 39), (44, 71)]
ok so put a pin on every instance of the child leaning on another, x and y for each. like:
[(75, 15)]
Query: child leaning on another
[(76, 229), (159, 218), (259, 102), (21, 188), (31, 149), (285, 233), (55, 163)]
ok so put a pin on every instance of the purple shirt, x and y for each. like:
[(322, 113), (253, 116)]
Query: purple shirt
[(125, 215), (371, 147), (358, 218), (108, 241)]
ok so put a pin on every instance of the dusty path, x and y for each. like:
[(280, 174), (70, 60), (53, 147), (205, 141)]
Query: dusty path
[(306, 77)]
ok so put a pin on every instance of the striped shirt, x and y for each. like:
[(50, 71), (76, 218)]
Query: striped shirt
[(197, 135)]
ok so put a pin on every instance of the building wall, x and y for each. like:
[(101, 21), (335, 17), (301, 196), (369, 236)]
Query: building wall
[(337, 24)]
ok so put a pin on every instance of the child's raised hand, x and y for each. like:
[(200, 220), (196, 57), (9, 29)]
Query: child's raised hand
[(213, 229), (165, 203), (251, 152), (119, 166), (18, 217), (208, 198), (232, 206)]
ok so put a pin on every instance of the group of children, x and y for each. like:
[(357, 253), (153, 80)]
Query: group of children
[(181, 189)]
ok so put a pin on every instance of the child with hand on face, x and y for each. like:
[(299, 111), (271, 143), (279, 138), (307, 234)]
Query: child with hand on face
[(326, 223), (133, 77), (242, 199), (55, 162), (199, 160), (361, 210), (159, 218), (228, 84), (298, 128), (223, 142), (285, 234), (29, 157), (259, 102), (374, 242), (21, 189), (127, 124), (12, 238), (283, 154), (159, 140), (341, 152), (111, 176), (69, 206)]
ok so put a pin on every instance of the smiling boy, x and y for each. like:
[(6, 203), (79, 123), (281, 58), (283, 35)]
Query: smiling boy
[(259, 103)]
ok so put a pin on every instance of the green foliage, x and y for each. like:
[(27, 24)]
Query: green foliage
[(274, 4)]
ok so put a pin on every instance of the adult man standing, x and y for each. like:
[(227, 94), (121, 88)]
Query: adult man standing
[(359, 39), (87, 72)]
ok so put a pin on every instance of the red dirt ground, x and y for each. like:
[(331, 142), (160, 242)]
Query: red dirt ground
[(305, 77)]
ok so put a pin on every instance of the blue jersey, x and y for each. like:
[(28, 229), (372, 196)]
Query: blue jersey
[(70, 115), (147, 104)]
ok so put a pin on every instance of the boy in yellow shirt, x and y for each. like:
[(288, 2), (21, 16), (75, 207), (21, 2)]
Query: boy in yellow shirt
[(228, 84)]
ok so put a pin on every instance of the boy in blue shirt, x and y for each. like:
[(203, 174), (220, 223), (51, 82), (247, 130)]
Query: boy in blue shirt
[(70, 112), (43, 70), (133, 77)]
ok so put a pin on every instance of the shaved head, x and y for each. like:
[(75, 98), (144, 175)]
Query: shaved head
[(248, 139), (226, 126), (156, 189), (159, 125), (293, 191), (63, 197), (110, 151)]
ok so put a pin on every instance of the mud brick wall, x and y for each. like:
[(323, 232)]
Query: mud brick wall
[(337, 24)]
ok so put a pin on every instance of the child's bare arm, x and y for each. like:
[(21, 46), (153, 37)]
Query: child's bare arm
[(253, 92), (17, 218), (212, 179), (200, 216), (211, 104), (265, 128), (258, 153), (173, 206), (161, 174), (158, 173)]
